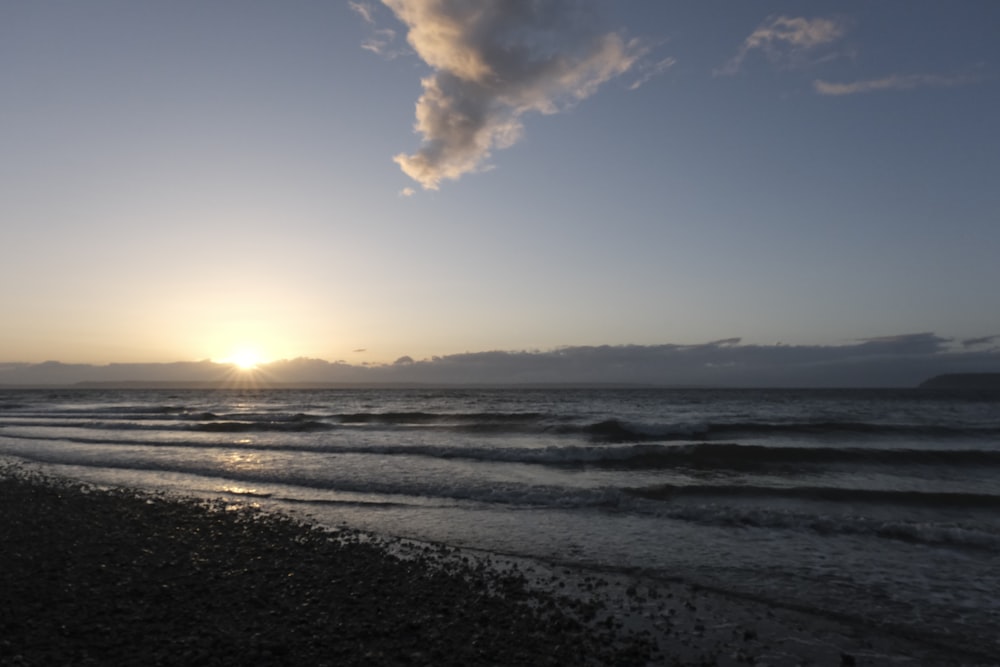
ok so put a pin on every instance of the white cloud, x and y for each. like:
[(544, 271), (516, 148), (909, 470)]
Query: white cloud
[(494, 61), (894, 82), (787, 41), (407, 192)]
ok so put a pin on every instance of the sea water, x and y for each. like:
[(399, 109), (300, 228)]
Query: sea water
[(878, 507)]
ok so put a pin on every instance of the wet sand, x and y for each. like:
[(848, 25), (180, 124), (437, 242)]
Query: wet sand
[(117, 577)]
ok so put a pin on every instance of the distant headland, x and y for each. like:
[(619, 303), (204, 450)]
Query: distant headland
[(963, 381)]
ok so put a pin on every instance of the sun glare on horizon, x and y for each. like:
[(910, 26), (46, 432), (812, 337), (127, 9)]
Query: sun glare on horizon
[(245, 359)]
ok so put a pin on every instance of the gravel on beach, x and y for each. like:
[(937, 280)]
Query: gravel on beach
[(114, 577)]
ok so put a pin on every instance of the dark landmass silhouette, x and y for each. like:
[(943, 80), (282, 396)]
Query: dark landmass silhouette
[(989, 381)]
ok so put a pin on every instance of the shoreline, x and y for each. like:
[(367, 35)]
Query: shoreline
[(115, 576), (119, 577)]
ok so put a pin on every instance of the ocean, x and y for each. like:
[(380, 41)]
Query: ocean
[(880, 508)]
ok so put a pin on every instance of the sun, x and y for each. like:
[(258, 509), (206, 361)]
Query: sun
[(245, 359)]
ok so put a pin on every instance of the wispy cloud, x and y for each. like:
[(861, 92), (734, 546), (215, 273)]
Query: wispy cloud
[(648, 71), (788, 42), (893, 82), (380, 41), (982, 340), (493, 62), (916, 343), (362, 9)]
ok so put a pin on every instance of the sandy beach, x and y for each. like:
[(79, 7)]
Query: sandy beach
[(116, 577)]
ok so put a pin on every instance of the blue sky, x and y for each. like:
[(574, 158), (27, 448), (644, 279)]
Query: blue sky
[(185, 180)]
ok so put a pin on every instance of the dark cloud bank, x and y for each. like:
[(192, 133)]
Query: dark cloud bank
[(893, 361)]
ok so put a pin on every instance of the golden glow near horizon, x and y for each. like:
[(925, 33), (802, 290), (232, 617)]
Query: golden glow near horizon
[(245, 358)]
